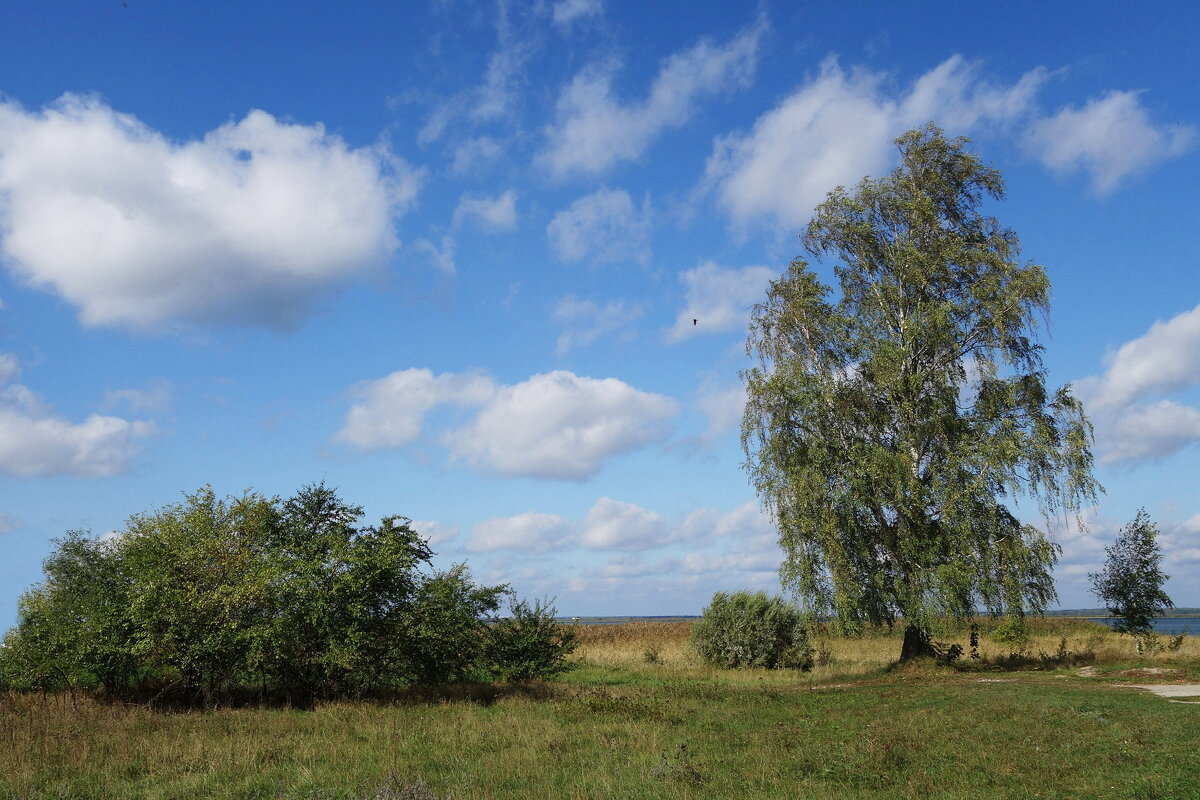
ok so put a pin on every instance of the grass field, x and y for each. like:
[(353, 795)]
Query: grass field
[(641, 717)]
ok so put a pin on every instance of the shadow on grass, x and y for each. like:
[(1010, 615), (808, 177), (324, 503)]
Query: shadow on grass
[(173, 698), (1021, 660)]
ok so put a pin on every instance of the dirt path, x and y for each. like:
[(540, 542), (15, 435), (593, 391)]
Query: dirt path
[(1169, 690), (1163, 690)]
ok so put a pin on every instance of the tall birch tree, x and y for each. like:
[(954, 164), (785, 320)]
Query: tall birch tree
[(890, 429)]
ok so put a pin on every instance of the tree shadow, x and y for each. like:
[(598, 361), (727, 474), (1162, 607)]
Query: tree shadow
[(172, 698)]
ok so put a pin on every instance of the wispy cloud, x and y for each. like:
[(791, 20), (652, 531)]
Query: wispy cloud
[(838, 126), (584, 321), (593, 131), (492, 214), (718, 299), (602, 227)]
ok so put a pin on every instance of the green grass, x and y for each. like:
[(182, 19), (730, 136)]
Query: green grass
[(628, 729)]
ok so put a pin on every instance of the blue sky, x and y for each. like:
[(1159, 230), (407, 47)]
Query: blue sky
[(446, 258)]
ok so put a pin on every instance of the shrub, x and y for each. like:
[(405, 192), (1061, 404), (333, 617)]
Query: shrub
[(1012, 632), (442, 638), (749, 629), (290, 597), (529, 643)]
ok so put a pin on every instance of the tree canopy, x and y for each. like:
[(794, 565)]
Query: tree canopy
[(888, 430)]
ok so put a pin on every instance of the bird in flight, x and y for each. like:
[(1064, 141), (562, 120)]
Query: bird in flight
[(693, 322)]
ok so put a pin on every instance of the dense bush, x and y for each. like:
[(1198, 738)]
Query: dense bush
[(1012, 632), (291, 597), (749, 629), (528, 643)]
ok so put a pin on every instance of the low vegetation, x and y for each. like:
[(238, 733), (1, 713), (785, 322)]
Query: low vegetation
[(212, 600), (618, 725), (750, 629)]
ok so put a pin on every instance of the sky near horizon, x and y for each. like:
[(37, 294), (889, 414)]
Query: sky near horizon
[(446, 257)]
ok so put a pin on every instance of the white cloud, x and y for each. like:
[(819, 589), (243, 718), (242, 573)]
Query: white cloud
[(1144, 432), (36, 442), (497, 94), (628, 566), (567, 12), (473, 153), (1181, 548), (562, 426), (388, 412), (718, 299), (955, 96), (491, 213), (157, 396), (604, 226), (838, 127), (702, 563), (10, 368), (615, 525), (252, 223), (435, 532), (1165, 359), (9, 523), (746, 523), (1110, 138), (439, 119), (593, 130), (528, 532), (441, 257), (584, 322)]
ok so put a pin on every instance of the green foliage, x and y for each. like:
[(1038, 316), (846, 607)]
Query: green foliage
[(885, 429), (444, 639), (528, 643), (292, 597), (76, 632), (1131, 582), (1012, 632), (749, 629)]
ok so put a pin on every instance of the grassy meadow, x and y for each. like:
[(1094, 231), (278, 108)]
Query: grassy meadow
[(641, 717)]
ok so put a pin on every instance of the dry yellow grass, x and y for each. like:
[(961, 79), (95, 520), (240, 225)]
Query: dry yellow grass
[(627, 645)]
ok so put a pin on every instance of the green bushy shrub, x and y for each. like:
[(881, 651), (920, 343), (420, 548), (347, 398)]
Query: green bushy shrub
[(529, 643), (750, 629), (1012, 632), (442, 638), (292, 598)]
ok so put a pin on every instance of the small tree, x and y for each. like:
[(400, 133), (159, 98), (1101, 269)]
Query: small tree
[(1131, 582), (529, 643)]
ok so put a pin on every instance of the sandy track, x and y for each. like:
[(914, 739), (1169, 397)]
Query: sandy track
[(1169, 690)]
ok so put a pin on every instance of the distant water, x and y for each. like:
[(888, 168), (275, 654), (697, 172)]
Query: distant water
[(1164, 625)]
